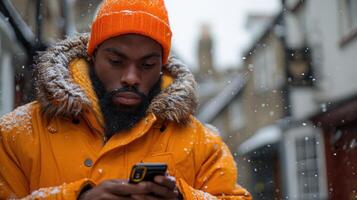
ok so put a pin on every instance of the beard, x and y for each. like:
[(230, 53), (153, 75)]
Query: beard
[(120, 118)]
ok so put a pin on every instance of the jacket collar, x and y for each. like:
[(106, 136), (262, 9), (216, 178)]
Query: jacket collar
[(60, 95)]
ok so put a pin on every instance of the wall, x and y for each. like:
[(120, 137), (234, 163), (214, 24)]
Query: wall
[(262, 104), (338, 69)]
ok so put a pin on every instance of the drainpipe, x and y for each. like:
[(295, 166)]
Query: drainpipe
[(287, 107), (285, 89), (31, 43)]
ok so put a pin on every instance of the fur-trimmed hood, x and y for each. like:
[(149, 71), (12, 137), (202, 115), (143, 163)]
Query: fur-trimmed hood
[(60, 96)]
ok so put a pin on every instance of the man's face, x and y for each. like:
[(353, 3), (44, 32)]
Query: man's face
[(128, 66), (126, 77)]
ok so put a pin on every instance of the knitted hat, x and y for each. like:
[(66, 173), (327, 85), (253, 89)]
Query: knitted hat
[(144, 17)]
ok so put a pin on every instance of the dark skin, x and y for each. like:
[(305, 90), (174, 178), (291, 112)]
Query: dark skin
[(163, 187), (130, 60)]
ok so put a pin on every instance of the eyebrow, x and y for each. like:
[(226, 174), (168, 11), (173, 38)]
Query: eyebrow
[(116, 52), (120, 54)]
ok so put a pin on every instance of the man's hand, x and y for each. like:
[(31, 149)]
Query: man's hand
[(163, 187), (112, 189)]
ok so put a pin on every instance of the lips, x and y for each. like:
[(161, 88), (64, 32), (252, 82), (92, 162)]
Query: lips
[(126, 98)]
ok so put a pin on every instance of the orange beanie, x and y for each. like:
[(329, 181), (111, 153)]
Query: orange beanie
[(144, 17)]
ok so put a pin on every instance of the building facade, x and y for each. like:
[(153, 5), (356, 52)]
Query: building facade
[(315, 136), (299, 105), (28, 26)]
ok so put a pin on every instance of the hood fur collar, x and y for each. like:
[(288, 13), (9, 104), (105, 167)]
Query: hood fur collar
[(60, 96)]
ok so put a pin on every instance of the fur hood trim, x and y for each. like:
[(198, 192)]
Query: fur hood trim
[(60, 96)]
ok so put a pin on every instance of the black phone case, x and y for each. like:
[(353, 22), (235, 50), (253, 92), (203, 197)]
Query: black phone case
[(146, 171)]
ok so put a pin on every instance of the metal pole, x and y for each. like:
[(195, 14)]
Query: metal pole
[(31, 43), (22, 31), (39, 20), (286, 87), (287, 107)]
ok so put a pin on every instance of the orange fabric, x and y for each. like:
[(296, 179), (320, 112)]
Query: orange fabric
[(79, 72), (56, 159), (145, 17)]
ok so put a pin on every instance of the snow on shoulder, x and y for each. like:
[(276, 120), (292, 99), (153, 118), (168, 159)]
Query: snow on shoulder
[(18, 120)]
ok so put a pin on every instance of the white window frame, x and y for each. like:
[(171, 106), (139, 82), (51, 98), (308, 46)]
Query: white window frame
[(291, 136)]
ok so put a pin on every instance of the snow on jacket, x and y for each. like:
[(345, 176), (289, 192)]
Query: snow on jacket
[(53, 147)]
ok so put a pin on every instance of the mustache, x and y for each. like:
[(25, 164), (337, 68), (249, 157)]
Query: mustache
[(132, 89)]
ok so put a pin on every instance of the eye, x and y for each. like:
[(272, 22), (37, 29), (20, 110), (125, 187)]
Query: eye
[(115, 61), (149, 65)]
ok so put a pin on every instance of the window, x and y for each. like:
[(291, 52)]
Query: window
[(307, 167), (305, 163), (268, 74)]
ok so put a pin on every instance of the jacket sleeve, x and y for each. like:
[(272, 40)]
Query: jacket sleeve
[(216, 174), (14, 184), (65, 191)]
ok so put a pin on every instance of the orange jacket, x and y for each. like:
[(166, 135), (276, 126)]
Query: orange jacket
[(53, 147)]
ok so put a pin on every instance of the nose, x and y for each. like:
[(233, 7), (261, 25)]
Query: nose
[(131, 76)]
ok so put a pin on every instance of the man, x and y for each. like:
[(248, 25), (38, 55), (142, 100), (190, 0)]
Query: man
[(106, 102)]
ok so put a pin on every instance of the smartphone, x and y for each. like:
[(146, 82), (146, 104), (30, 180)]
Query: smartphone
[(146, 171)]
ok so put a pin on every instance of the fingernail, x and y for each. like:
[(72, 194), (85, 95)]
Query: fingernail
[(158, 179)]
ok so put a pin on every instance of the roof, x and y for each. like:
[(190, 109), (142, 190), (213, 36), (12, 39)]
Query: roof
[(260, 38), (268, 135), (214, 106)]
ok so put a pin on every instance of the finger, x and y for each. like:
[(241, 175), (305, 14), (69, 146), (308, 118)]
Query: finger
[(121, 198), (109, 196), (144, 197), (167, 181), (123, 188), (159, 190)]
